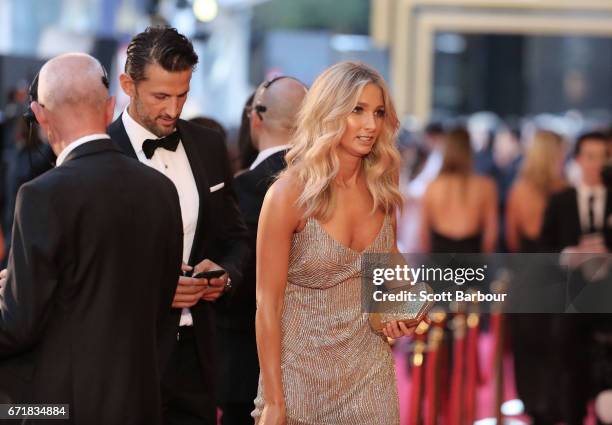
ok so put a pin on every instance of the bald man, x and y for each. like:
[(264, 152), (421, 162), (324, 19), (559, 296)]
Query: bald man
[(96, 249), (272, 120)]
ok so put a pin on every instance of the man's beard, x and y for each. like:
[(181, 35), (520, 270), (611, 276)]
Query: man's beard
[(147, 122)]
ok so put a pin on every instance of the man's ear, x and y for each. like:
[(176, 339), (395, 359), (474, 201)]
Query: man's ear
[(127, 84), (40, 113), (110, 110), (256, 121)]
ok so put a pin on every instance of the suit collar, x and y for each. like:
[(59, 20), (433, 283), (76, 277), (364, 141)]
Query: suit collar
[(91, 148), (266, 153), (76, 143), (276, 157), (120, 137), (258, 180)]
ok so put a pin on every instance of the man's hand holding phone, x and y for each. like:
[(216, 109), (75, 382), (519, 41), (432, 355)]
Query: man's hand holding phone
[(215, 276), (189, 290)]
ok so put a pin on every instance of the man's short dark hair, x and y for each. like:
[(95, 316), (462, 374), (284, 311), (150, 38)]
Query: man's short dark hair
[(163, 46), (593, 135)]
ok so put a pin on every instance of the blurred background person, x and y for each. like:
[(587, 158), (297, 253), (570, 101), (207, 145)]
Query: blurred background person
[(247, 152), (12, 130), (540, 176), (582, 210), (482, 127), (428, 165), (459, 207), (577, 220), (30, 158), (414, 181), (507, 158)]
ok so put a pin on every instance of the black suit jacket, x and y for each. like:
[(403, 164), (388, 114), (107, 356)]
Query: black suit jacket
[(220, 232), (561, 226), (570, 336), (238, 371), (251, 187), (560, 229), (95, 252)]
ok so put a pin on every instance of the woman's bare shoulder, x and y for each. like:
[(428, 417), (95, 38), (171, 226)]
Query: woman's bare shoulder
[(281, 199), (484, 182), (435, 185), (522, 187), (284, 190)]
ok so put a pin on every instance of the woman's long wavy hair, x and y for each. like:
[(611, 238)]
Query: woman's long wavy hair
[(313, 158), (541, 164)]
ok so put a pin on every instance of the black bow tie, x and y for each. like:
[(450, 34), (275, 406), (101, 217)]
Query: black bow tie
[(169, 142)]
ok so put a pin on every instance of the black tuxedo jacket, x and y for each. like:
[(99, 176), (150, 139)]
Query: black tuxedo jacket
[(561, 226), (238, 371), (220, 231), (251, 187), (96, 249), (570, 336)]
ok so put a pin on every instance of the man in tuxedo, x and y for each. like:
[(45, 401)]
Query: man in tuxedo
[(157, 74), (95, 251), (578, 221), (583, 210), (272, 116)]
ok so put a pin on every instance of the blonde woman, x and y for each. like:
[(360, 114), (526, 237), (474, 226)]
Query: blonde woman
[(540, 176), (320, 361), (459, 207)]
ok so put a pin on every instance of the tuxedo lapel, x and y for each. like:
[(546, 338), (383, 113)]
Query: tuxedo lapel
[(117, 132), (198, 166), (265, 173)]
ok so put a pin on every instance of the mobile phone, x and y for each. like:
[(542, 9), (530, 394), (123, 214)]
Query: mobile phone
[(210, 274)]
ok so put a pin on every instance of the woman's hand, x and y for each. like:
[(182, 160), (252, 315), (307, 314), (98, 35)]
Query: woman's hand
[(273, 414), (397, 329)]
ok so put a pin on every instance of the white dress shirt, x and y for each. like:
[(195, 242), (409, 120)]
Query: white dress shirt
[(175, 166), (264, 154), (75, 144), (599, 205)]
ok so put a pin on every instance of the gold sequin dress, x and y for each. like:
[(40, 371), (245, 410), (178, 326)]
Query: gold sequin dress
[(335, 369)]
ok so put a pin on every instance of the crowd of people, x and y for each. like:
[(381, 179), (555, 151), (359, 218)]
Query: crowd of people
[(552, 197), (155, 278)]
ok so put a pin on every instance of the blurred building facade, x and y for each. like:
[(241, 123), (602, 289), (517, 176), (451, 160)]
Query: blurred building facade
[(514, 58)]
